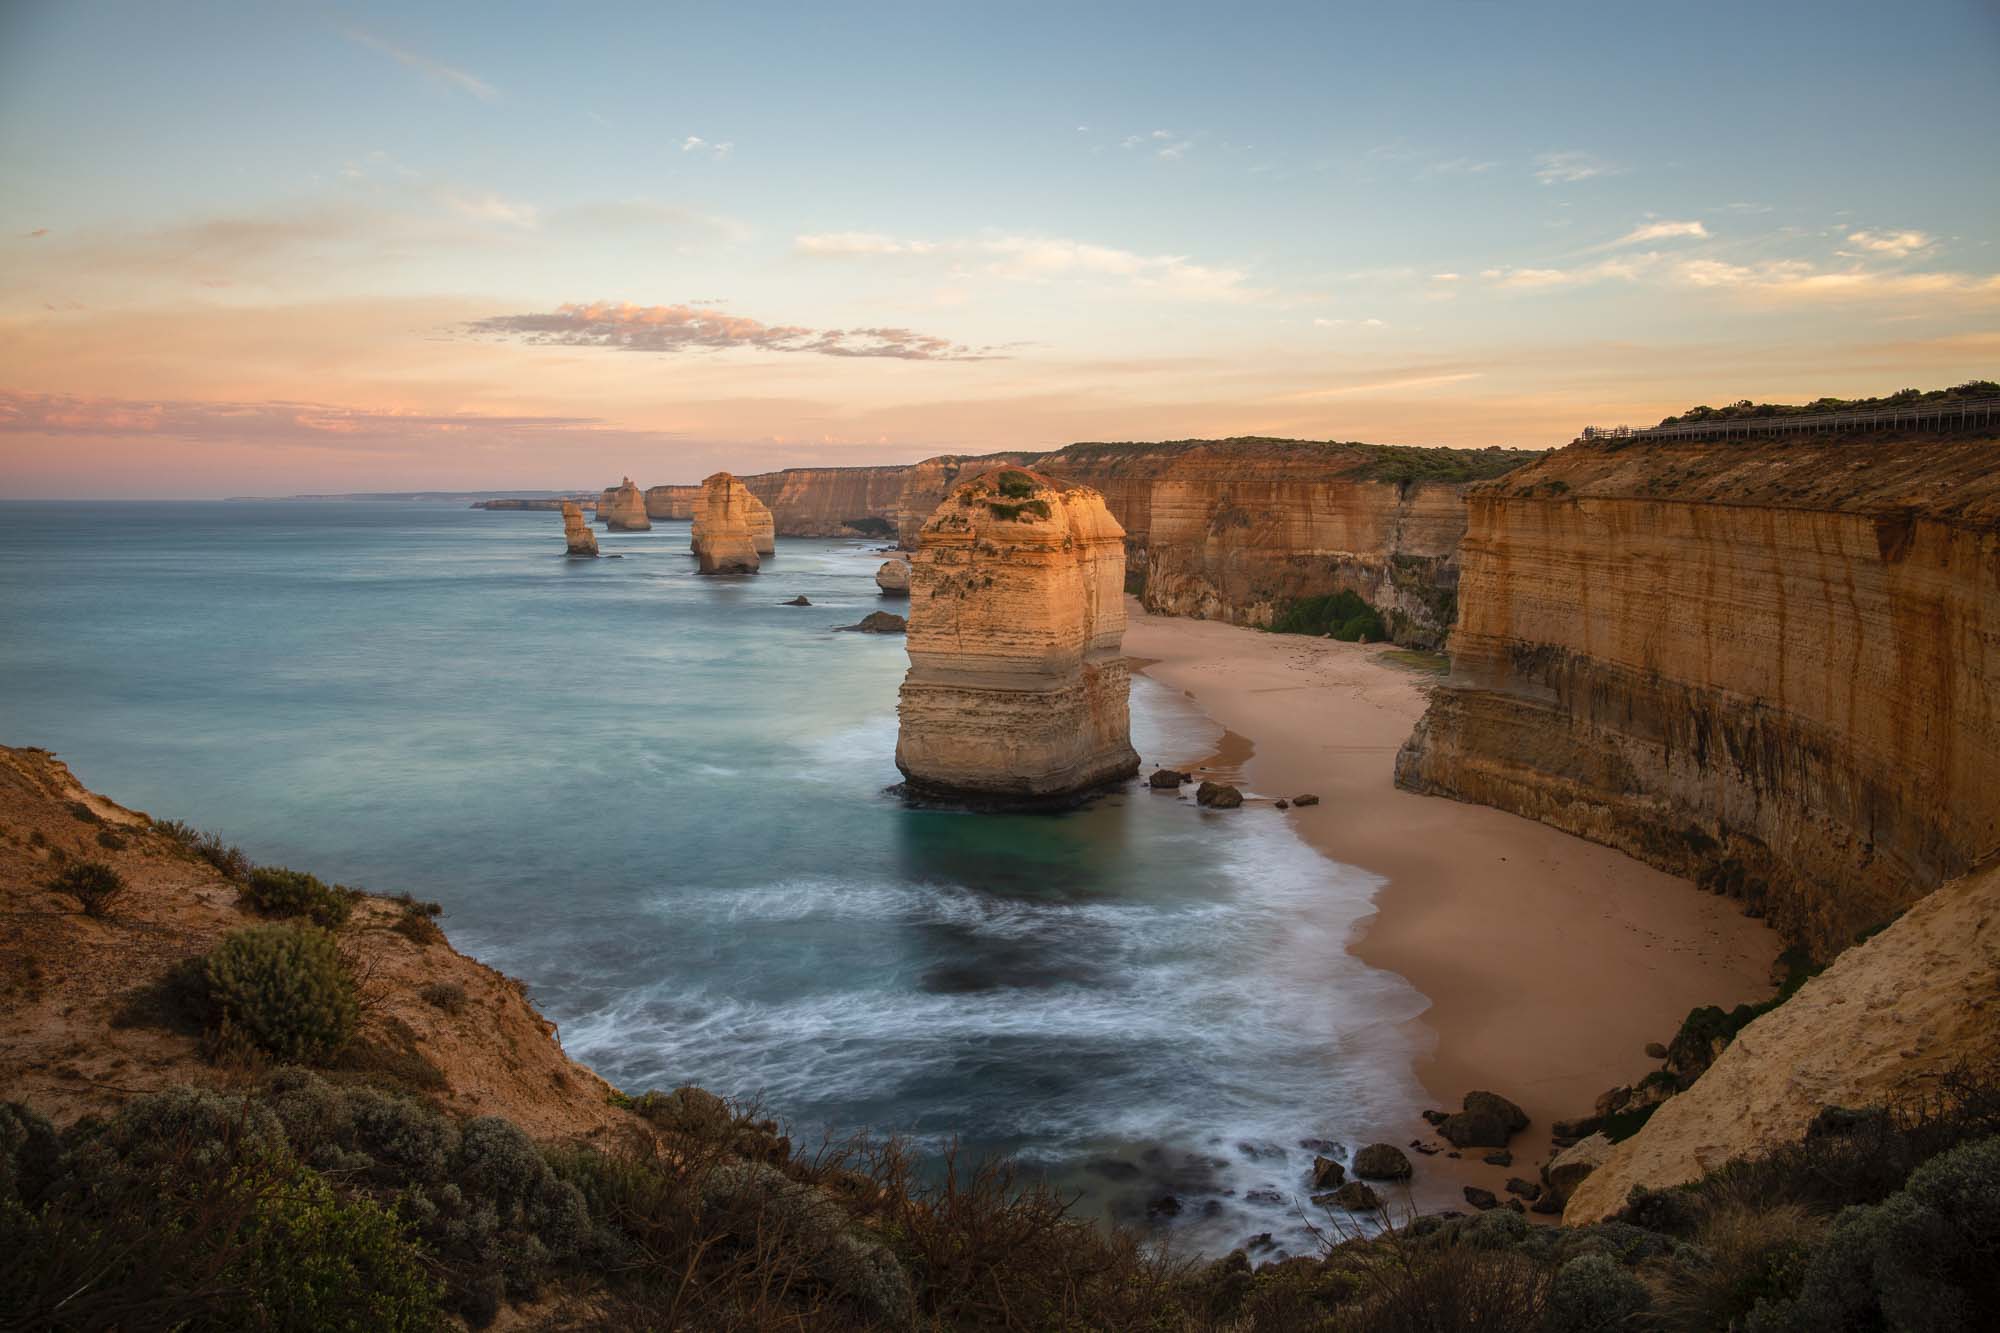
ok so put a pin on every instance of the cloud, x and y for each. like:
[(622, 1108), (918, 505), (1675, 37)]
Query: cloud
[(1042, 259), (1383, 385), (1325, 323), (254, 422), (437, 72), (684, 328), (1568, 168), (1893, 244), (1623, 268), (1796, 280), (489, 208), (1662, 231), (1444, 277)]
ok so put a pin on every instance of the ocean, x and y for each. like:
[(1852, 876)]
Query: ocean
[(659, 799)]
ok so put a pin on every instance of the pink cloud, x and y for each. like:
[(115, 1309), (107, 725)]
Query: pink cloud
[(683, 328)]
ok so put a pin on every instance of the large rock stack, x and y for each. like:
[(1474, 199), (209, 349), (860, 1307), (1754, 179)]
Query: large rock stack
[(623, 509), (576, 532), (1017, 691), (724, 535)]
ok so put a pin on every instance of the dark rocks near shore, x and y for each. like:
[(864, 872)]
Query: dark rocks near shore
[(1166, 779), (1501, 1158), (878, 622), (1327, 1174), (800, 600), (1382, 1161), (1354, 1196), (1487, 1121), (1218, 796), (1307, 799), (1481, 1199)]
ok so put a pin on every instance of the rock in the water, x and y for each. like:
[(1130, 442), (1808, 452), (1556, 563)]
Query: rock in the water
[(1354, 1196), (1263, 1196), (1436, 1117), (1570, 1167), (893, 578), (1261, 1241), (623, 509), (576, 532), (1166, 779), (1218, 795), (800, 600), (1382, 1161), (1018, 690), (1282, 803), (880, 622), (1164, 1206), (1307, 799), (1327, 1173), (1480, 1199), (724, 539)]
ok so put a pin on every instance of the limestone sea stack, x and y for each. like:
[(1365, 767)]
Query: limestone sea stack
[(576, 532), (894, 578), (763, 531), (624, 509), (724, 535), (1017, 693)]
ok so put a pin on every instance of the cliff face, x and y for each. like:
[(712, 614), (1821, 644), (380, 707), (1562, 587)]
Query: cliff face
[(623, 509), (724, 540), (576, 533), (1017, 690), (1772, 667), (1236, 529), (672, 502), (1887, 1017), (763, 531)]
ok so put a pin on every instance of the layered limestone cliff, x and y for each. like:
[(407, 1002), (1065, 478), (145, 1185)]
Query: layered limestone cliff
[(672, 502), (576, 532), (623, 509), (1882, 1024), (1239, 529), (763, 531), (724, 538), (1771, 666), (1017, 690), (893, 578)]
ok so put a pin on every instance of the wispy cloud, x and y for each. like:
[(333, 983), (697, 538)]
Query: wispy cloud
[(260, 422), (1051, 259), (436, 71), (1893, 244), (1568, 168), (489, 208), (694, 143), (684, 328), (1648, 232)]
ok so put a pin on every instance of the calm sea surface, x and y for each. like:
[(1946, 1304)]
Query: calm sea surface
[(659, 799)]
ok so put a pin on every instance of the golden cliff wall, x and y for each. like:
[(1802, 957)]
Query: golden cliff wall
[(1236, 529), (1018, 690), (1771, 667)]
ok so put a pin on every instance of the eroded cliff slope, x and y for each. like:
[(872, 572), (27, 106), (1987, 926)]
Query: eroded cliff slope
[(1770, 666)]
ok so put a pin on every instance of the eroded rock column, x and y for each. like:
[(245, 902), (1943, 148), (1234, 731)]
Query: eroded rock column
[(724, 539), (1017, 691), (626, 510), (576, 533)]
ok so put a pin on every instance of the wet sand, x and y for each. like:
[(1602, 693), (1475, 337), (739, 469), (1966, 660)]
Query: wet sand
[(1549, 962)]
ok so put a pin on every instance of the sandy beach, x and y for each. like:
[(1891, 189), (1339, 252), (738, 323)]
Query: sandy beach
[(1549, 962)]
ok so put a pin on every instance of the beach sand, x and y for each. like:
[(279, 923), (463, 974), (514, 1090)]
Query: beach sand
[(1549, 962)]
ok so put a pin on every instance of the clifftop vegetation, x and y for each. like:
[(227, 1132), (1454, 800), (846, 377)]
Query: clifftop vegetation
[(1364, 462), (1745, 409)]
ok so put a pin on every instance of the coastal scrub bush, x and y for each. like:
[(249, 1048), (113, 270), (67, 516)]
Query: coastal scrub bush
[(1344, 615), (227, 859), (93, 884), (285, 988), (446, 995), (1012, 512), (277, 891), (418, 920), (1590, 1293), (1016, 485)]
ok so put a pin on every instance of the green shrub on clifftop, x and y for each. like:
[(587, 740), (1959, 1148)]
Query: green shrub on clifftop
[(93, 884), (1343, 615), (285, 988), (276, 891)]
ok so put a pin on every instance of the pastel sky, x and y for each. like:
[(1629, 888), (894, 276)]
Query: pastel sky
[(269, 248)]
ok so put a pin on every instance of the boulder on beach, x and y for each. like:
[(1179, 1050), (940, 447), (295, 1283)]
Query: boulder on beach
[(1307, 799), (1382, 1161), (1166, 779), (1480, 1199), (1487, 1121), (1218, 795), (1354, 1196), (1574, 1163)]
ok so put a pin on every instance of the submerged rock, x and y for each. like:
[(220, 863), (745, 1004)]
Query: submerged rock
[(576, 532), (1218, 796), (1018, 691), (879, 622), (893, 578), (724, 538), (800, 600)]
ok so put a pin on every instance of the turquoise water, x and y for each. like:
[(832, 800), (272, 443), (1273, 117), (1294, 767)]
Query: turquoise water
[(658, 798)]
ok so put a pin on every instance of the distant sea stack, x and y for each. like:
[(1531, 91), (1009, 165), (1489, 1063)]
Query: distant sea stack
[(576, 532), (624, 509), (725, 539), (1017, 692), (763, 531), (893, 578)]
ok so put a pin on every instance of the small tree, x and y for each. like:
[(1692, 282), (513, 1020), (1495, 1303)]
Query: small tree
[(285, 988), (93, 884)]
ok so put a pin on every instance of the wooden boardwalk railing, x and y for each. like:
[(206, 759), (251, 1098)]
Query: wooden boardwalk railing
[(1949, 412)]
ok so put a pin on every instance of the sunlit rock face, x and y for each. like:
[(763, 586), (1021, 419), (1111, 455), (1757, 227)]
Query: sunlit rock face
[(763, 531), (576, 533), (1773, 667), (893, 578), (724, 535), (624, 509), (1017, 691), (672, 502)]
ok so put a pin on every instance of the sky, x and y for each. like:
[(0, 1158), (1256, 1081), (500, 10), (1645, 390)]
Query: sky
[(272, 248)]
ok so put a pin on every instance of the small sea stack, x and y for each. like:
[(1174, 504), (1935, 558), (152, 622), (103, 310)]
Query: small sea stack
[(623, 509), (1018, 692), (763, 529), (724, 537), (576, 532), (893, 578)]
